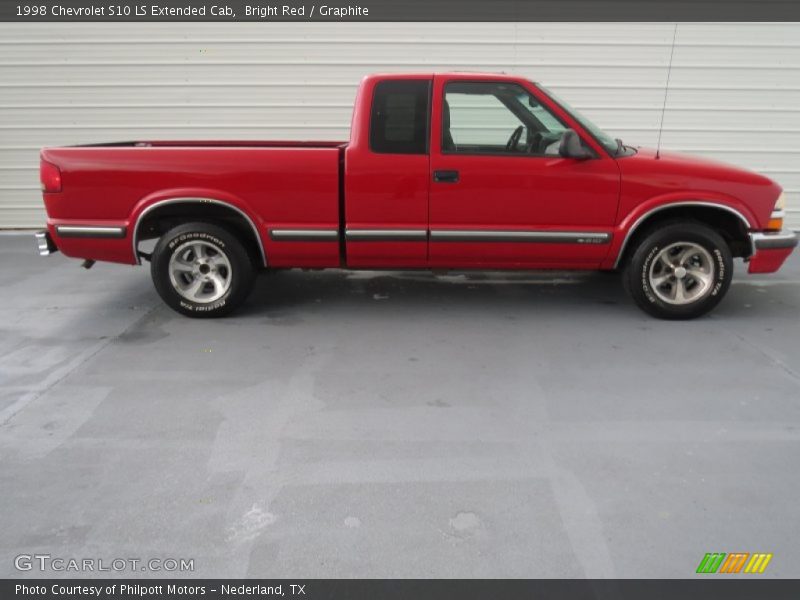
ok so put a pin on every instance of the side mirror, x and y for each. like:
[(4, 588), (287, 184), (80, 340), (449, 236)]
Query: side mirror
[(572, 147)]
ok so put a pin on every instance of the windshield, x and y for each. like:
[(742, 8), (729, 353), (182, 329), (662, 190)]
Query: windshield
[(614, 147)]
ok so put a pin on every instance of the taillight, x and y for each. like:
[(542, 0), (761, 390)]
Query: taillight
[(50, 176), (776, 218)]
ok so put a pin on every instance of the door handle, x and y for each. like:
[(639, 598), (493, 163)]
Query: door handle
[(445, 176)]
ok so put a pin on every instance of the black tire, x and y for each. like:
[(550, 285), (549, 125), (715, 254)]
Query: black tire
[(670, 298), (221, 285)]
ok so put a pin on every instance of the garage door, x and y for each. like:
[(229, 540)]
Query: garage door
[(734, 90)]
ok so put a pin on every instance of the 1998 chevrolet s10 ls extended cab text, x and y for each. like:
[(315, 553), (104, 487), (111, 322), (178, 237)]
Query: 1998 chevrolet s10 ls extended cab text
[(452, 171)]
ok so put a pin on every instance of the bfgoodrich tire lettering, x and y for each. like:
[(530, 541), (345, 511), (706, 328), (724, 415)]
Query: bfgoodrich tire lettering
[(680, 271), (201, 270)]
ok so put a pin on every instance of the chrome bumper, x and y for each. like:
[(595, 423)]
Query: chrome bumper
[(774, 240), (45, 243)]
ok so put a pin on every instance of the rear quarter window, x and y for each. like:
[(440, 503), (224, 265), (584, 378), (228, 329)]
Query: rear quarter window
[(399, 118)]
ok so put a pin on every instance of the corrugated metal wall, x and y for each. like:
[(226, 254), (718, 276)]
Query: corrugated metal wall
[(734, 92)]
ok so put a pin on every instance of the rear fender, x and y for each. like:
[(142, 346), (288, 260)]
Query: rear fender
[(192, 196)]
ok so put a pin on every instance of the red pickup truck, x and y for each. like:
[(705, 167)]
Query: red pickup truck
[(442, 171)]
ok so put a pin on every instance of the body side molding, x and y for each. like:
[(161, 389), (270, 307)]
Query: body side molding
[(386, 235), (90, 231), (304, 235), (532, 236)]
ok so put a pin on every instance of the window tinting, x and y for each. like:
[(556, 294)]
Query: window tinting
[(399, 121)]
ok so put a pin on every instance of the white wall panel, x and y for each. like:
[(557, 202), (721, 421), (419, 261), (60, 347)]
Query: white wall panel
[(734, 89)]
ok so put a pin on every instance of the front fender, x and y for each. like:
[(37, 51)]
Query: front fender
[(631, 222)]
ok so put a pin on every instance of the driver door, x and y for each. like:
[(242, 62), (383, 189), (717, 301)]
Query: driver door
[(501, 196)]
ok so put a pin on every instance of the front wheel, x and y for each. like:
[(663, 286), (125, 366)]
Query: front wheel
[(201, 270), (680, 272)]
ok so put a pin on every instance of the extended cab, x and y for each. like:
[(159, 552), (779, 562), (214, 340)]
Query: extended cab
[(450, 171)]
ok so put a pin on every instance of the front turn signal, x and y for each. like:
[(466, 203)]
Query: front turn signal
[(775, 224)]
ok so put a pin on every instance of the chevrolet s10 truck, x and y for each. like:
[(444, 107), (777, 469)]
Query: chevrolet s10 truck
[(442, 171)]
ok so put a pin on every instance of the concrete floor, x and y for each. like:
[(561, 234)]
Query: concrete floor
[(396, 425)]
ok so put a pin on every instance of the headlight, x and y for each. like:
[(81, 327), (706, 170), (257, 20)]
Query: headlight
[(780, 203)]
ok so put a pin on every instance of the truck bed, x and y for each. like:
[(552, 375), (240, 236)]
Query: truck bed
[(277, 184)]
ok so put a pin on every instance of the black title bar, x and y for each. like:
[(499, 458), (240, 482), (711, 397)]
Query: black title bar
[(399, 10)]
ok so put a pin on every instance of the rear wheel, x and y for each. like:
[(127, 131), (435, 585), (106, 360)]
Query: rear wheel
[(681, 271), (202, 270)]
